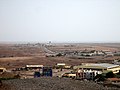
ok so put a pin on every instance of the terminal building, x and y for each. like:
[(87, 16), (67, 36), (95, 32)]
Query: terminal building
[(103, 67), (90, 70)]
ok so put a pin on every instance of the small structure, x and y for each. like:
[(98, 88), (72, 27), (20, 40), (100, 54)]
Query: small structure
[(60, 64), (37, 74), (99, 53), (29, 67), (47, 71), (67, 67), (2, 70), (51, 55), (116, 62), (117, 53), (108, 53), (69, 75)]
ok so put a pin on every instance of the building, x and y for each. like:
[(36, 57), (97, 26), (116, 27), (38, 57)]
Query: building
[(67, 67), (63, 66), (47, 71), (60, 64), (117, 53), (99, 53), (51, 55), (2, 70), (69, 75), (87, 74), (116, 62), (108, 53), (103, 67), (34, 66)]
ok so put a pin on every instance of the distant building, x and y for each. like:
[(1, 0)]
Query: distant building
[(116, 62), (51, 55), (87, 74), (2, 70), (70, 75), (103, 67), (34, 66), (99, 53), (108, 53), (61, 64), (92, 53), (47, 71), (117, 54)]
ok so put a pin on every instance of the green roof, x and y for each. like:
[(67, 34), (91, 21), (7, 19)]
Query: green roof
[(96, 66), (89, 67)]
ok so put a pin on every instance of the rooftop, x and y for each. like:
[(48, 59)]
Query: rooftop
[(34, 65), (97, 65), (104, 65)]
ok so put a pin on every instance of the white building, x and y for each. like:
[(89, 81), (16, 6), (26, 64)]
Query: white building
[(34, 66), (60, 64), (87, 74)]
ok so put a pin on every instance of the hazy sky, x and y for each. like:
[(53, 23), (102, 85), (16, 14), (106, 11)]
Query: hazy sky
[(60, 20)]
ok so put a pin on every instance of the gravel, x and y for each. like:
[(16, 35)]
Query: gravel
[(52, 83)]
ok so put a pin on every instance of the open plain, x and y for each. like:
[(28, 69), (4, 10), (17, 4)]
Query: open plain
[(18, 55), (14, 56)]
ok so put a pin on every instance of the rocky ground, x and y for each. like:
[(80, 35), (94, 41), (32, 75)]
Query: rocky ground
[(50, 83)]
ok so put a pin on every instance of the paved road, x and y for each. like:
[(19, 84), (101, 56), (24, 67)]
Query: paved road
[(46, 50)]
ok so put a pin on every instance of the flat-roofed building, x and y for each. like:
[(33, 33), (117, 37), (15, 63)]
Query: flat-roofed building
[(99, 67), (61, 64), (34, 66)]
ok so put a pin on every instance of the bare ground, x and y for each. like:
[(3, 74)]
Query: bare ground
[(13, 56), (49, 83)]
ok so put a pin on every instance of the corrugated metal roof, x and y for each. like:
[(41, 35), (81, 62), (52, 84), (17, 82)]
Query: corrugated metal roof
[(34, 65), (97, 66), (104, 65)]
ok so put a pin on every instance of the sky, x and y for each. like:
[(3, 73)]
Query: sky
[(60, 20)]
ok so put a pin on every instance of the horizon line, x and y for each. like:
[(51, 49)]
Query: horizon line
[(22, 42)]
